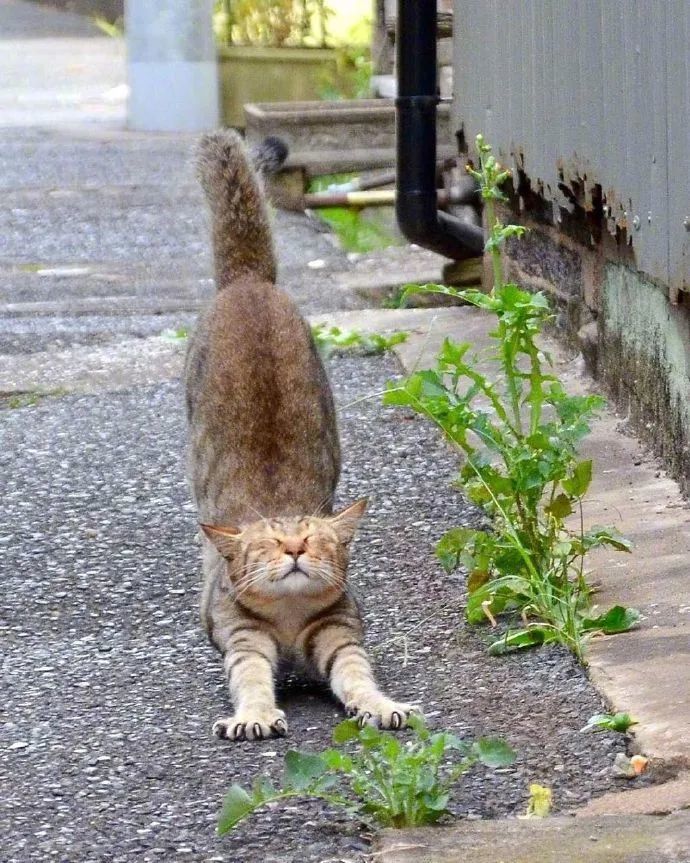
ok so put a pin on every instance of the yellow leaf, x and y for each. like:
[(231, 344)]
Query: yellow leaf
[(540, 799)]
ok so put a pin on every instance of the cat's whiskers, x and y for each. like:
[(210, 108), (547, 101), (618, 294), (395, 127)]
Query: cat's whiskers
[(326, 575), (245, 588), (255, 576), (256, 573), (319, 508), (252, 581), (261, 517)]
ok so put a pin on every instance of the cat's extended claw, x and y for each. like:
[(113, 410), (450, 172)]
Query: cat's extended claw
[(259, 725), (279, 727), (379, 711)]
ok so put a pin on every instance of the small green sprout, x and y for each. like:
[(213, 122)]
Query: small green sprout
[(333, 340), (620, 722), (178, 334)]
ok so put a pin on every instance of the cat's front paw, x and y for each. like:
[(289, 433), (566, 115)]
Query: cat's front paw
[(253, 724), (376, 709)]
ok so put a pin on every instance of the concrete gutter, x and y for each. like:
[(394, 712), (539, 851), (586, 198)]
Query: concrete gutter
[(645, 672), (607, 839)]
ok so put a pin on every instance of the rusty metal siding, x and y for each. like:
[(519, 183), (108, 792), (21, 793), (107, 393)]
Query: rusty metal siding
[(590, 94)]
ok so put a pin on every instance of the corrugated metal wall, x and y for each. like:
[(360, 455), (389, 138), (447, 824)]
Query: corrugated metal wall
[(580, 88)]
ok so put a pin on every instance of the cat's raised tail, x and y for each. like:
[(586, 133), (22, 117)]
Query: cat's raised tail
[(230, 176)]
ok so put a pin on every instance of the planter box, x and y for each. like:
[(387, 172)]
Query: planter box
[(327, 137), (261, 74)]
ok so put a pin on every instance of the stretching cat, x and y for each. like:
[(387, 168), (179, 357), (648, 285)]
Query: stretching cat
[(264, 463)]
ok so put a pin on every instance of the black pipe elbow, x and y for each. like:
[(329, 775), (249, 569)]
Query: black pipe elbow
[(422, 223), (416, 204)]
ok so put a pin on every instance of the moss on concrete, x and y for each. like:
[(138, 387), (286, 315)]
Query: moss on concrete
[(645, 360)]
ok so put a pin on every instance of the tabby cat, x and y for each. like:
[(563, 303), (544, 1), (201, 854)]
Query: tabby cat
[(264, 462)]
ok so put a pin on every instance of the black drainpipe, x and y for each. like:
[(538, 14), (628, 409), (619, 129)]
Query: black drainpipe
[(416, 209)]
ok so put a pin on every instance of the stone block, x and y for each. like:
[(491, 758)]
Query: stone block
[(326, 137)]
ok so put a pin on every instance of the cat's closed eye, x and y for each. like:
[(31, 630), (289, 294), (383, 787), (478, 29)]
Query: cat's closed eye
[(266, 546)]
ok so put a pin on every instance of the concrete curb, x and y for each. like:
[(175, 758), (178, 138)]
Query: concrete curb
[(605, 839)]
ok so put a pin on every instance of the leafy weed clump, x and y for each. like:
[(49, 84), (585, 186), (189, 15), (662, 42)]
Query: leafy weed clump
[(333, 340), (519, 431), (387, 782)]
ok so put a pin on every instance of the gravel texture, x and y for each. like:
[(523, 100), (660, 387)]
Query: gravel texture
[(109, 687)]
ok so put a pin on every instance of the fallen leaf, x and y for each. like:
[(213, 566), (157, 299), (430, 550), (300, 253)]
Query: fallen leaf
[(639, 764)]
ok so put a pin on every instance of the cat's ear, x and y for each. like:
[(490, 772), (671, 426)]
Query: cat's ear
[(225, 539), (345, 522)]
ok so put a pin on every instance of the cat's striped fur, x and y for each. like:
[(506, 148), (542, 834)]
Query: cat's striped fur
[(264, 462)]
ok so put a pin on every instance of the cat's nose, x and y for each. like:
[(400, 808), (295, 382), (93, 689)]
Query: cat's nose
[(294, 546)]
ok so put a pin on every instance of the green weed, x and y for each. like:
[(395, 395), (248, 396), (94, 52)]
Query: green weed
[(178, 334), (333, 340), (387, 782), (540, 801), (351, 76), (355, 232), (519, 431), (620, 722), (396, 299), (30, 398), (23, 400)]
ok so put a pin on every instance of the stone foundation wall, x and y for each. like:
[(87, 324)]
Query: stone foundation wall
[(634, 340)]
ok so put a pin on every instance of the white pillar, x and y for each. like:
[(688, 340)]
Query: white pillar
[(171, 65)]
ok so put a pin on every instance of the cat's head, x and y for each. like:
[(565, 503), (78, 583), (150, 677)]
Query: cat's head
[(282, 556)]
